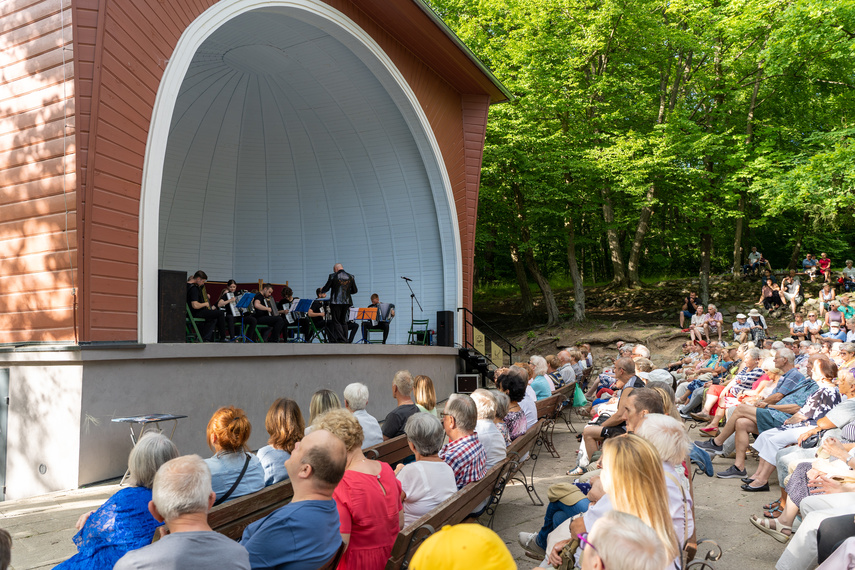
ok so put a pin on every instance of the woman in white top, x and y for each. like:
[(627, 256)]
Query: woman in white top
[(429, 480), (826, 296), (813, 327)]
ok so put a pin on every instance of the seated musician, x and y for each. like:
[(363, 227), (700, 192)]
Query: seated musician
[(263, 305), (318, 314), (200, 307), (229, 297), (378, 324), (285, 306)]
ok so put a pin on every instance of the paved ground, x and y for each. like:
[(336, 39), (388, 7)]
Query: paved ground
[(42, 527)]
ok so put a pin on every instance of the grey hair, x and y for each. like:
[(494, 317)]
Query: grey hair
[(667, 435), (356, 395), (485, 402), (786, 353), (643, 351), (626, 348), (425, 432), (627, 542), (403, 380), (151, 451), (182, 486), (502, 403), (847, 346), (539, 364), (848, 261), (778, 345), (805, 343), (462, 408), (713, 306), (752, 353)]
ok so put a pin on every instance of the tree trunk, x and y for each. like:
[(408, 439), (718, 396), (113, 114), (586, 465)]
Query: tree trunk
[(553, 316), (706, 247), (619, 279), (640, 232), (578, 285), (737, 240), (796, 257), (522, 281)]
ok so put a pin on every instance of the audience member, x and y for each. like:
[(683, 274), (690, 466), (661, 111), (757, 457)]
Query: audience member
[(625, 381), (181, 498), (355, 400), (429, 480), (463, 547), (689, 308), (791, 287), (463, 452), (741, 329), (540, 383), (123, 523), (566, 371), (512, 384), (305, 533), (713, 322), (424, 395), (402, 391), (368, 499), (489, 436), (285, 426), (234, 471), (322, 402), (625, 543), (502, 405)]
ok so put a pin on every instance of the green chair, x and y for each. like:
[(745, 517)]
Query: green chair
[(418, 333), (320, 334), (258, 334), (191, 330), (375, 340)]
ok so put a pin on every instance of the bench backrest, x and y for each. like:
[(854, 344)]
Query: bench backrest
[(391, 451), (522, 446), (548, 407), (453, 510), (232, 517), (566, 390)]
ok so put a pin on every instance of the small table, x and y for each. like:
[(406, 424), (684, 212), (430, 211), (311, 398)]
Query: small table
[(144, 420)]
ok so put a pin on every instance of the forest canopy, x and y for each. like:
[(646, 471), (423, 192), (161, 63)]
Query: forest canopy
[(652, 138)]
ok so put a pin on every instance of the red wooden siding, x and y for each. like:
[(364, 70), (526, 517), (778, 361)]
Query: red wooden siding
[(38, 198), (118, 84)]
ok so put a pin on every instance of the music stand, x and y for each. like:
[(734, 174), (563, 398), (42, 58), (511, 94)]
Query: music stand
[(243, 303)]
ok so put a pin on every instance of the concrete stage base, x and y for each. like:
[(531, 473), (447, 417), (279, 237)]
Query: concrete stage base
[(63, 398)]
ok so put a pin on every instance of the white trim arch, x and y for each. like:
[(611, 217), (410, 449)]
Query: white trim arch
[(367, 50)]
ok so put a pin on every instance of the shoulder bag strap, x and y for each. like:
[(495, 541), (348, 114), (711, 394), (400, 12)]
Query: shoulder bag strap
[(685, 515), (236, 483)]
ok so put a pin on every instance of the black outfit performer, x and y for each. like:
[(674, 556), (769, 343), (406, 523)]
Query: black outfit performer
[(343, 285), (232, 321), (200, 307), (264, 315), (318, 318)]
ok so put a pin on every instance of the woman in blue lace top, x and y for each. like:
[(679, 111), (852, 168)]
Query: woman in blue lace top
[(123, 523)]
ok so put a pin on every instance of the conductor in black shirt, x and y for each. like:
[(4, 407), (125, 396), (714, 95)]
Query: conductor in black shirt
[(342, 285)]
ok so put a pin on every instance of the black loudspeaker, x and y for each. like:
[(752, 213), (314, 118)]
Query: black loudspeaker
[(445, 328), (171, 305)]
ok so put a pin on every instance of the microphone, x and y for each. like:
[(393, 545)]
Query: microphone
[(406, 278)]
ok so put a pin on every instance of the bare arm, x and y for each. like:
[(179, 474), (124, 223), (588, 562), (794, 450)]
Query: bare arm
[(619, 415)]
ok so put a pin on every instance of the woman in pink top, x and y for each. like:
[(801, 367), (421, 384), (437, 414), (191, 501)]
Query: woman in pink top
[(825, 266), (368, 498)]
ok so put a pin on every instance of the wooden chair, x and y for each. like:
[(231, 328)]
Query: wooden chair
[(453, 510), (232, 517), (419, 328), (190, 328), (523, 451)]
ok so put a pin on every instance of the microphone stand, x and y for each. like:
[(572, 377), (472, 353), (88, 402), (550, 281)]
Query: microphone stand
[(412, 298)]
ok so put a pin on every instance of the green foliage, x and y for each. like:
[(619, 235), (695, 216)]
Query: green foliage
[(709, 102)]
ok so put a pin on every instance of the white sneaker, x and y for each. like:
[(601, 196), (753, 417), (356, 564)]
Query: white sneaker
[(528, 541)]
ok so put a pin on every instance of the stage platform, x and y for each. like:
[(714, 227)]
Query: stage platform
[(62, 399)]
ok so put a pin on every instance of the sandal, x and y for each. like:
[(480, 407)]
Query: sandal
[(709, 432), (772, 528), (578, 472), (773, 513), (772, 505)]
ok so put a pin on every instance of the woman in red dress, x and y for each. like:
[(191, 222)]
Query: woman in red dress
[(368, 498)]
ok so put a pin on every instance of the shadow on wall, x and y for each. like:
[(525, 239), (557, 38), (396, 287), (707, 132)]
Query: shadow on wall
[(38, 236)]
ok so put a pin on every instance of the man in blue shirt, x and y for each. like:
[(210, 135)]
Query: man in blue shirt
[(304, 534)]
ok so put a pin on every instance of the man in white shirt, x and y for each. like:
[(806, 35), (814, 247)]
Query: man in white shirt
[(355, 400), (488, 433)]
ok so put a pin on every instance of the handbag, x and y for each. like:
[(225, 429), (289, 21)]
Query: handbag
[(812, 441), (568, 554)]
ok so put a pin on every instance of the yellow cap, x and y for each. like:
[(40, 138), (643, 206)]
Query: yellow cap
[(463, 547)]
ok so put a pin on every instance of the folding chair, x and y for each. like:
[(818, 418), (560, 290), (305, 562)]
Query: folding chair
[(418, 333), (190, 328)]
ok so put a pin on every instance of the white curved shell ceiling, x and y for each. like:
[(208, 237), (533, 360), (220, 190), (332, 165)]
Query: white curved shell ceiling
[(287, 154)]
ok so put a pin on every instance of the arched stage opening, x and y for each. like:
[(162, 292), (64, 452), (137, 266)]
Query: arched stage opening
[(285, 140)]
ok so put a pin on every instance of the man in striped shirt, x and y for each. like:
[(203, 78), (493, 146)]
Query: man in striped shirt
[(463, 452)]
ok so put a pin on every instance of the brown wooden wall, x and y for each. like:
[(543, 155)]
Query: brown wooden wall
[(136, 39), (38, 200)]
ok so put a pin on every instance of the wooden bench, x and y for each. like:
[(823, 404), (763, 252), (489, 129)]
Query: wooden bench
[(391, 451), (522, 451), (548, 409), (453, 510), (232, 517)]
